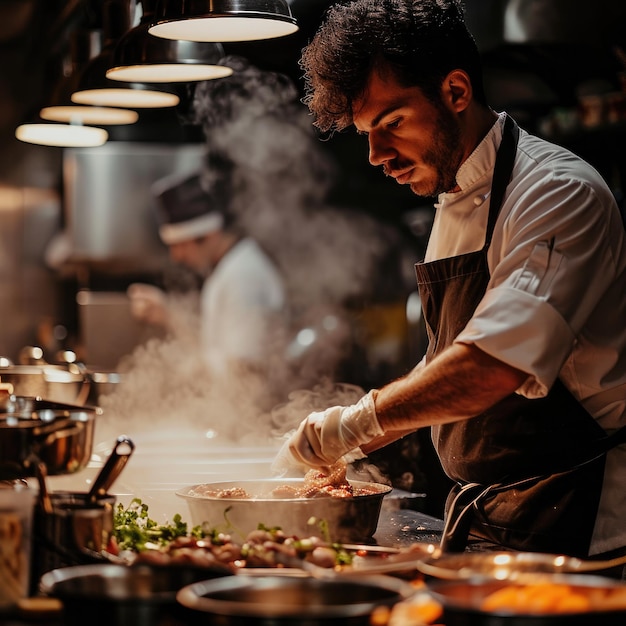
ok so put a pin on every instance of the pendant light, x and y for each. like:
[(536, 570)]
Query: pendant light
[(223, 20), (76, 114), (142, 57), (73, 126), (62, 135), (94, 88)]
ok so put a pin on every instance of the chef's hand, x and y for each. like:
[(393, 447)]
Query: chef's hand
[(148, 304), (324, 437)]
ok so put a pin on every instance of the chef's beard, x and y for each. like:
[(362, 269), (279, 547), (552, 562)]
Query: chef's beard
[(444, 157)]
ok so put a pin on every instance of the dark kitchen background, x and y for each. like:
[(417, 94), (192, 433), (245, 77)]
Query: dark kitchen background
[(77, 224)]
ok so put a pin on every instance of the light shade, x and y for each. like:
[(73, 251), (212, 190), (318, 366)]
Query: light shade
[(62, 135), (121, 97), (95, 88), (223, 20), (74, 114), (141, 57)]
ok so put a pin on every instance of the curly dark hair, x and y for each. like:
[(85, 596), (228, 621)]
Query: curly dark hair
[(420, 40)]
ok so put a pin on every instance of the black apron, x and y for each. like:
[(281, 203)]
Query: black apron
[(528, 473)]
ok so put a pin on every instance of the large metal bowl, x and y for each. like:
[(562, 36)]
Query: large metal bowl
[(462, 602), (347, 519), (271, 600)]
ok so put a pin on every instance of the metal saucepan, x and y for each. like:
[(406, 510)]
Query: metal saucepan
[(507, 565), (73, 531), (58, 383), (74, 528), (34, 431), (347, 519)]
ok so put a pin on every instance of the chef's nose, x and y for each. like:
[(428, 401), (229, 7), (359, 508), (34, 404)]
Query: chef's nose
[(379, 151), (177, 253)]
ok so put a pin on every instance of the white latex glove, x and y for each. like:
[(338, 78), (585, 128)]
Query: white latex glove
[(148, 304), (326, 436)]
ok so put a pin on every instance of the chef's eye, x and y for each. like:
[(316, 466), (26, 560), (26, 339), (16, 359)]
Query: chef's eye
[(393, 123)]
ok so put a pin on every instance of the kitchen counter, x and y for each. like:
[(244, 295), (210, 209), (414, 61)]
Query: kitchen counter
[(402, 527)]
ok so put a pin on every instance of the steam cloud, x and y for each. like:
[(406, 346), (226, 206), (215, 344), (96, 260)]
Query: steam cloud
[(327, 256)]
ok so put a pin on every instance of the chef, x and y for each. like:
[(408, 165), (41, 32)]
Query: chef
[(523, 289), (242, 298)]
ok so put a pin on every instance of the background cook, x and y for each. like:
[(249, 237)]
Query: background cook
[(242, 297)]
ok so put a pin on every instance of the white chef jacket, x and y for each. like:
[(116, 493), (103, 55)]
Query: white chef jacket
[(555, 305), (242, 304)]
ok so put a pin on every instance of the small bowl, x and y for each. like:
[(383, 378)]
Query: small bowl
[(350, 519), (269, 600)]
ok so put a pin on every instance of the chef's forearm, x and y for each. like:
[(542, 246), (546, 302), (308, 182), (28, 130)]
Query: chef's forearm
[(460, 383)]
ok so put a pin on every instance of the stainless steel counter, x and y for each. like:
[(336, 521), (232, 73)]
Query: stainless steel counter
[(402, 527)]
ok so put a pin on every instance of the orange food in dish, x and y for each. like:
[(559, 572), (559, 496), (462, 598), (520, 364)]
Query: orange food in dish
[(550, 597)]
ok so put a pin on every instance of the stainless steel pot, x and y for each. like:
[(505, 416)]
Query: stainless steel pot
[(57, 383), (34, 431), (271, 600), (135, 595), (75, 528), (347, 519), (75, 531)]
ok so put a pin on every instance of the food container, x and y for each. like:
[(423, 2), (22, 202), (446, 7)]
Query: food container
[(346, 518), (34, 430), (52, 382), (76, 532), (271, 600), (462, 601), (123, 595), (16, 512), (74, 528)]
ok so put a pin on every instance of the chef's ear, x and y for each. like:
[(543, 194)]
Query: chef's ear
[(457, 90)]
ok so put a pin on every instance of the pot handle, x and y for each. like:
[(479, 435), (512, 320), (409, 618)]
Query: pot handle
[(112, 468), (83, 394)]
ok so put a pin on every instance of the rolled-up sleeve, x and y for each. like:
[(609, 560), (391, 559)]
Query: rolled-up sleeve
[(547, 279), (516, 327)]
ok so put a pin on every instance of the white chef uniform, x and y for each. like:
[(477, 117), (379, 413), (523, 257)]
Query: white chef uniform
[(556, 301)]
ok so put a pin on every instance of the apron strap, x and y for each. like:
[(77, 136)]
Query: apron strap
[(502, 172)]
